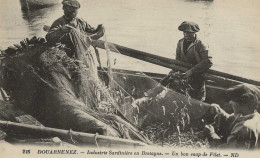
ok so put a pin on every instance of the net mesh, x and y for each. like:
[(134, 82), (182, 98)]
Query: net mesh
[(62, 92), (69, 91), (164, 106)]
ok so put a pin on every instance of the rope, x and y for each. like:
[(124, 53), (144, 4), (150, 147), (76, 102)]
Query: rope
[(70, 134), (95, 138), (108, 55), (122, 54), (112, 79)]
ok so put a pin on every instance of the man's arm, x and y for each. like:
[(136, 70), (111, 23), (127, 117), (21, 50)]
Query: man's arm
[(55, 34), (240, 137), (89, 29), (57, 30), (205, 61), (94, 33), (178, 52), (100, 32), (220, 116)]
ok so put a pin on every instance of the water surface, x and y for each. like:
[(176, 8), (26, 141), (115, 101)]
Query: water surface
[(230, 28)]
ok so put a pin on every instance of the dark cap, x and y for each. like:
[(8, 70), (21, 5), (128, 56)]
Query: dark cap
[(244, 94), (189, 26), (72, 3)]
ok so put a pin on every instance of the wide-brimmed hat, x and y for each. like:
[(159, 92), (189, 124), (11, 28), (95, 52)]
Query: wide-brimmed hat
[(72, 3), (245, 94), (189, 26)]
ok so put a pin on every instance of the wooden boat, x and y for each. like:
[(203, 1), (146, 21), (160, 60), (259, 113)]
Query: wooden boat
[(30, 131), (92, 119), (37, 4), (135, 83)]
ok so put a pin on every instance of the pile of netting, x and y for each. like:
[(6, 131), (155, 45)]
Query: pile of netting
[(61, 92), (172, 118), (170, 122), (165, 135)]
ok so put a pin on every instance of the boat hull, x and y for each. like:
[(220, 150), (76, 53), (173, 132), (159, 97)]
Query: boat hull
[(135, 84)]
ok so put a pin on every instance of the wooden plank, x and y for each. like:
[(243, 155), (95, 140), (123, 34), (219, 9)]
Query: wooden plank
[(9, 111), (2, 135), (83, 138), (28, 119)]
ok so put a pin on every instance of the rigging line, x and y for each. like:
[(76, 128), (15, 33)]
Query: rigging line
[(112, 79), (114, 47), (109, 65), (108, 54), (107, 46), (116, 105), (116, 50), (108, 57)]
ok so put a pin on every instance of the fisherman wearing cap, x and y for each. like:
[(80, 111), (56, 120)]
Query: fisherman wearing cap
[(191, 50), (77, 35), (68, 23), (242, 128)]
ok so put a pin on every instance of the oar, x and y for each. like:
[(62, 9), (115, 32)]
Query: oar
[(171, 63), (217, 76)]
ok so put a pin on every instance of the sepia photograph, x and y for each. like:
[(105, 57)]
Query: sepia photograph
[(129, 78)]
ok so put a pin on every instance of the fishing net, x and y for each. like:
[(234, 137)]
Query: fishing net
[(67, 93), (160, 104), (164, 135), (62, 92), (147, 88)]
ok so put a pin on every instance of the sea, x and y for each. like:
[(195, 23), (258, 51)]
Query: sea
[(229, 28)]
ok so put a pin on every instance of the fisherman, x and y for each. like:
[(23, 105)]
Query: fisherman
[(76, 34), (242, 128), (191, 50)]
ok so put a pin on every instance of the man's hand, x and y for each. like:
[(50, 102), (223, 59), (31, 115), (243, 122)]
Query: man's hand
[(187, 74), (101, 29), (66, 28), (215, 109), (209, 131), (100, 32)]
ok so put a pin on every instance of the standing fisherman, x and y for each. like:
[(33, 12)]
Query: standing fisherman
[(76, 34), (191, 50)]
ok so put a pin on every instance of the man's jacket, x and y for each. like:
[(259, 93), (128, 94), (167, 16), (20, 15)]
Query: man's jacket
[(196, 54), (55, 34), (241, 131)]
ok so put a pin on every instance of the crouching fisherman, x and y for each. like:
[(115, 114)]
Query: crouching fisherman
[(242, 128)]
